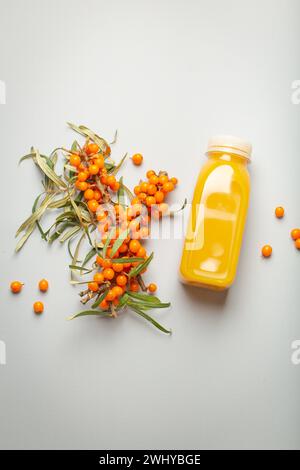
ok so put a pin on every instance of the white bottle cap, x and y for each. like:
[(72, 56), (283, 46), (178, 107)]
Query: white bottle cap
[(230, 144)]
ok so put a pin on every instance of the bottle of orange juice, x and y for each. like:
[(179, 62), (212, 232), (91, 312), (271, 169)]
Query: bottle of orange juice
[(218, 215)]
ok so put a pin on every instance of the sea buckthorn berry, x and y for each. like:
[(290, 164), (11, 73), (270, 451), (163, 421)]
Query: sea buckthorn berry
[(16, 287), (174, 180), (153, 179), (117, 291), (168, 187), (152, 287), (123, 248), (103, 179), (295, 233), (43, 285), (144, 187), (134, 201), (142, 196), (108, 273), (93, 286), (106, 263), (134, 246), (115, 186), (110, 295), (98, 277), (82, 176), (137, 159), (159, 196), (110, 180), (134, 286), (93, 205), (279, 212), (266, 251), (38, 307), (151, 189), (162, 179), (108, 253), (121, 280), (81, 185), (91, 149), (104, 304), (137, 190), (117, 267), (93, 169), (75, 160), (141, 253), (99, 161), (89, 194), (150, 200), (150, 173), (297, 243), (97, 194)]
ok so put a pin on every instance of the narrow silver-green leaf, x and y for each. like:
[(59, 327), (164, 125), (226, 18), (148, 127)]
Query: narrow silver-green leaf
[(103, 313), (49, 172), (135, 271), (150, 319)]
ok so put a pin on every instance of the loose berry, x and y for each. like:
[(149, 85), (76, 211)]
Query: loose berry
[(266, 251), (279, 212), (137, 159), (43, 285), (16, 287), (38, 307)]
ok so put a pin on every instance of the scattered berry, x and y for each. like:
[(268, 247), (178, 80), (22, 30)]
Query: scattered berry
[(266, 251), (16, 287)]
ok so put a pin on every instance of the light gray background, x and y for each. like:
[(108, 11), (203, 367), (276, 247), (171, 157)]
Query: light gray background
[(167, 74)]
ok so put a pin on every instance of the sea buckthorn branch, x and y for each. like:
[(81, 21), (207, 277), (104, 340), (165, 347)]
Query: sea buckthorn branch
[(96, 207)]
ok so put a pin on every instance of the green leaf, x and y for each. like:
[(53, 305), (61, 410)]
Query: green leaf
[(37, 214), (103, 313), (120, 240), (70, 234), (100, 298), (25, 237), (145, 297), (118, 166), (148, 305), (126, 260), (150, 319), (49, 172), (86, 132), (89, 256), (80, 268), (107, 241), (138, 269)]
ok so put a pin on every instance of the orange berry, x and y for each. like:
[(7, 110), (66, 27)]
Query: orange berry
[(82, 176), (116, 301), (103, 179), (110, 295), (93, 169), (81, 185), (38, 307), (295, 233), (135, 200), (107, 150), (93, 205), (279, 212), (266, 251), (134, 246), (98, 277), (75, 160), (16, 287), (106, 263), (150, 200), (117, 267), (159, 196), (121, 280), (141, 253), (153, 179), (144, 187), (150, 173), (174, 180), (137, 159), (108, 253), (297, 243), (123, 248), (99, 161), (134, 286), (93, 286), (115, 186), (137, 190), (108, 273), (163, 208), (89, 194), (104, 304), (43, 285), (142, 196), (152, 287), (168, 187), (110, 181), (162, 179), (152, 189), (97, 194), (91, 149), (117, 290)]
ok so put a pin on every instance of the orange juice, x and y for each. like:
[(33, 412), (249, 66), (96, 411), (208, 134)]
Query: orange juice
[(218, 215)]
